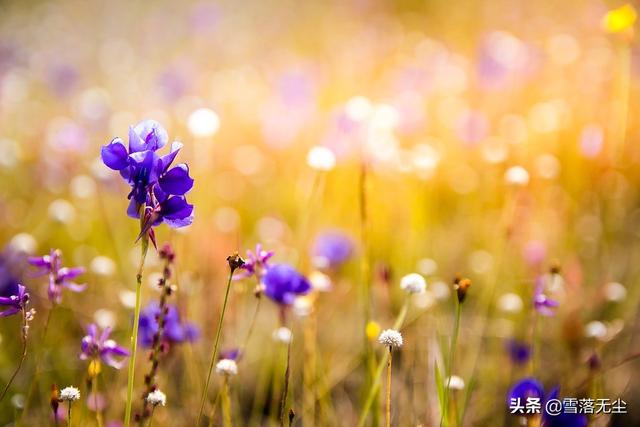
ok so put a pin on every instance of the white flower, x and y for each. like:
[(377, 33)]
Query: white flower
[(390, 338), (517, 175), (510, 303), (227, 367), (321, 158), (156, 398), (69, 394), (282, 335), (413, 283), (455, 382)]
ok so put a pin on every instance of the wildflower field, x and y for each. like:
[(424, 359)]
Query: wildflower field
[(357, 213)]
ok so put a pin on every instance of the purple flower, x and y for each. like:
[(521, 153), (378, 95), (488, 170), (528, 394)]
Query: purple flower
[(256, 264), (175, 331), (230, 354), (15, 303), (527, 387), (59, 277), (99, 346), (11, 265), (563, 419), (282, 283), (519, 351), (155, 186), (332, 249), (542, 303)]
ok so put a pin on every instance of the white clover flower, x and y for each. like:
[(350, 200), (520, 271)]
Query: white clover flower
[(227, 367), (156, 398), (283, 335), (413, 283), (455, 382), (390, 338), (69, 394)]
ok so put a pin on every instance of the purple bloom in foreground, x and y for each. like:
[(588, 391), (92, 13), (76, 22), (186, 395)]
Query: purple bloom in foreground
[(59, 277), (230, 354), (519, 351), (99, 346), (542, 303), (157, 189), (175, 331), (255, 264), (282, 283), (527, 387), (332, 249), (563, 419), (15, 303)]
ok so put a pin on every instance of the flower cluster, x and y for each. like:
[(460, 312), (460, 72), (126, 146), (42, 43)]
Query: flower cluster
[(59, 277), (157, 189), (15, 303), (99, 346), (283, 283), (256, 264), (175, 331)]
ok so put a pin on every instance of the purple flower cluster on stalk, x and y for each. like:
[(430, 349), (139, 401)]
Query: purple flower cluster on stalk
[(157, 189), (175, 330), (59, 277), (14, 303), (97, 345)]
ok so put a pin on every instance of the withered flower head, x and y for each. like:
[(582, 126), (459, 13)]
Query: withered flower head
[(235, 262), (461, 286), (555, 268), (55, 399)]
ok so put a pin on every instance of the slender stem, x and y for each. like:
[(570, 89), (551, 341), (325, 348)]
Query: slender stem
[(452, 351), (251, 325), (389, 387), (215, 348), (94, 391), (69, 415), (134, 335), (226, 403), (22, 358), (375, 385), (285, 390), (153, 408)]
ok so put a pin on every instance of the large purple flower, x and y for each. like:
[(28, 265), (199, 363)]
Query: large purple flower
[(99, 346), (157, 189), (15, 303), (256, 264), (283, 283), (11, 264), (331, 249), (59, 277), (542, 303), (564, 418), (175, 331), (525, 388)]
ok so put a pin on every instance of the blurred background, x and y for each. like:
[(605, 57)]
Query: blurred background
[(495, 139)]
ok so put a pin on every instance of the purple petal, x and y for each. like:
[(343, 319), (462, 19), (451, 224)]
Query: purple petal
[(66, 273), (167, 159), (133, 209), (177, 180), (9, 312), (151, 133), (75, 287), (115, 155), (177, 212)]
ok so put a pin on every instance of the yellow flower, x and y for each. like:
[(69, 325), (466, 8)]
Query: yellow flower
[(620, 19), (94, 368), (372, 330)]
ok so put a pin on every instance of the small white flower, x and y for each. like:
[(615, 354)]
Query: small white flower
[(510, 303), (595, 329), (156, 398), (282, 335), (413, 283), (455, 382), (390, 338), (517, 175), (69, 394), (321, 158), (615, 292), (227, 367)]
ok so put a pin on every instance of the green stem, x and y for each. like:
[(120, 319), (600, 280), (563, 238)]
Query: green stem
[(285, 391), (389, 387), (226, 403), (375, 386), (134, 335), (452, 350), (215, 348), (69, 415)]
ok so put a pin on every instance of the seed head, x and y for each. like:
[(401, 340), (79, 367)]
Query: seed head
[(390, 338), (227, 367), (69, 394), (156, 398)]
